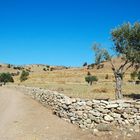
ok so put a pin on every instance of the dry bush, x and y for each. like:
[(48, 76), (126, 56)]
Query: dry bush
[(100, 90)]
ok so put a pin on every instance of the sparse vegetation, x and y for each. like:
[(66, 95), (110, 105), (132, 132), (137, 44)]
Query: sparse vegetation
[(18, 68)]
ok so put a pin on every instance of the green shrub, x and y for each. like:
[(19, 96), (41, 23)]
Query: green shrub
[(44, 69), (85, 64), (24, 75), (51, 69), (18, 68), (90, 79), (47, 66), (8, 66), (133, 75), (6, 77)]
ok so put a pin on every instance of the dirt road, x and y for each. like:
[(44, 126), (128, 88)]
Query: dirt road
[(22, 118)]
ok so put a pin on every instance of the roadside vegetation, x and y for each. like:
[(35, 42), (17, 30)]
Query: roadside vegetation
[(5, 78)]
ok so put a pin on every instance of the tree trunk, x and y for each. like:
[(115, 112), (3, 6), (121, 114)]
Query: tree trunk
[(118, 90)]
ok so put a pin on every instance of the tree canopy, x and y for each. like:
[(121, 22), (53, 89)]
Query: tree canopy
[(6, 77), (126, 39)]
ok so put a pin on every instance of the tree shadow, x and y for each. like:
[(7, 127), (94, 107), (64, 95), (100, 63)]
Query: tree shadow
[(133, 96)]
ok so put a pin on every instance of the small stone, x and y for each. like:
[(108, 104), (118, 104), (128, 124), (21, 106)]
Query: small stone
[(104, 102), (95, 131), (82, 126), (127, 122), (102, 110), (70, 114), (96, 101), (103, 127), (137, 106), (108, 118), (125, 115), (124, 105), (81, 103), (68, 101), (95, 113), (87, 108), (131, 129), (89, 103), (129, 135), (85, 116), (72, 119), (116, 115), (88, 121), (138, 117), (73, 100), (112, 106), (79, 113)]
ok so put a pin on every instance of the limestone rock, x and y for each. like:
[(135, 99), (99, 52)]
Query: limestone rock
[(108, 118)]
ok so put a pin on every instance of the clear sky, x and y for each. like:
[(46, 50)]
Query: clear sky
[(59, 32)]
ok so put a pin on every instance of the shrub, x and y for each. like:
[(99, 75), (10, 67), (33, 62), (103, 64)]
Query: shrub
[(8, 66), (18, 68), (91, 66), (133, 75), (51, 69), (85, 64), (47, 66), (6, 77), (44, 69), (90, 79), (24, 75), (107, 76), (88, 73)]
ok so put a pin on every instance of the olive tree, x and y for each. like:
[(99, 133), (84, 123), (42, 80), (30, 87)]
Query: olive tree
[(126, 40), (6, 77)]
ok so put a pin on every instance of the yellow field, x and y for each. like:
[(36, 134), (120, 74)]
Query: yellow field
[(72, 81)]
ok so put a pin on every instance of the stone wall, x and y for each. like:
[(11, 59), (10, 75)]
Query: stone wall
[(88, 114)]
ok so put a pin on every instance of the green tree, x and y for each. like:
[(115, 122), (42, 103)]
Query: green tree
[(126, 40), (90, 79), (100, 53), (6, 77), (24, 75)]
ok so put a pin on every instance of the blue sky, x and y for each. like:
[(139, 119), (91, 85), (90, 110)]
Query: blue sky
[(59, 32)]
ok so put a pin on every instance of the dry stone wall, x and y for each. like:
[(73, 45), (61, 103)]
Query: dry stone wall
[(88, 114)]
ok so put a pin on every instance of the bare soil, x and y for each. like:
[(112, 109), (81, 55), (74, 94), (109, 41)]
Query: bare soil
[(22, 118)]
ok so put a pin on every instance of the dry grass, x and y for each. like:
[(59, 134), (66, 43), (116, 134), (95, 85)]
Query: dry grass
[(96, 91), (72, 81)]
